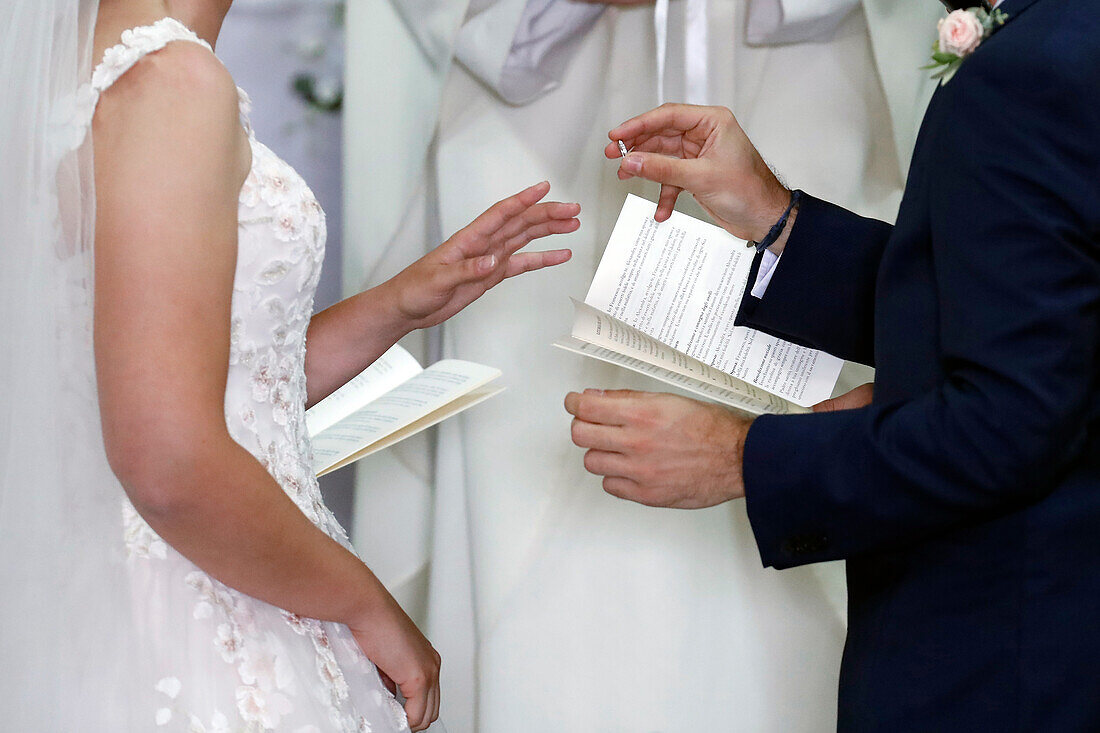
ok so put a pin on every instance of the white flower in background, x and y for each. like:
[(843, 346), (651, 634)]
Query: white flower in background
[(328, 90), (312, 47), (163, 716)]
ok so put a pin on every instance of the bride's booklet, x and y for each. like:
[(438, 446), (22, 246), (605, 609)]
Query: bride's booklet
[(390, 400), (663, 303)]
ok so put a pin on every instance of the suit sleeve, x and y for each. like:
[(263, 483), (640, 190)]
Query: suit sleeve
[(822, 293), (1017, 263)]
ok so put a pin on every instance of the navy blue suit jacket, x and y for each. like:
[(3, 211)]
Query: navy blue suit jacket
[(966, 499)]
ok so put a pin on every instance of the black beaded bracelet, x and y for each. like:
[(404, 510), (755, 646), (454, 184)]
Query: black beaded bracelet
[(775, 231)]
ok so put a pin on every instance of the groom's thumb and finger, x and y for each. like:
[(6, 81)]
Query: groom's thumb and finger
[(674, 175), (600, 406)]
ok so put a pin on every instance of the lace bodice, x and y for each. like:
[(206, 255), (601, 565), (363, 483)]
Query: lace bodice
[(279, 669)]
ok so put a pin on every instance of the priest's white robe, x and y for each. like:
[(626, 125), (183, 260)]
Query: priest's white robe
[(556, 607)]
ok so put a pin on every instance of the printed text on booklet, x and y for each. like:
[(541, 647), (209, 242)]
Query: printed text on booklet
[(663, 303)]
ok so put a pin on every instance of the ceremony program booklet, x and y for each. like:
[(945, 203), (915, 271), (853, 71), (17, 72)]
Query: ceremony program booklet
[(663, 303), (390, 400)]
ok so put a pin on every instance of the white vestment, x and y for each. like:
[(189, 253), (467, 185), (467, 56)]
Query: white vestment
[(556, 607)]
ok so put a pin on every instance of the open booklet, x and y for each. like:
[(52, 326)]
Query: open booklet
[(390, 400), (663, 303)]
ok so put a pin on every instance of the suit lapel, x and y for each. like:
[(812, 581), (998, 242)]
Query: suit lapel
[(1012, 8)]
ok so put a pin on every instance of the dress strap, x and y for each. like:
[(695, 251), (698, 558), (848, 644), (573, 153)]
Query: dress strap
[(74, 118), (134, 45)]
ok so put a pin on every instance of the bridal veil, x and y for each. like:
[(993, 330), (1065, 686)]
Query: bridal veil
[(70, 652)]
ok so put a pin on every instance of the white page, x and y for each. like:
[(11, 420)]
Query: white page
[(409, 401), (602, 331), (450, 409), (387, 371), (681, 282), (696, 386)]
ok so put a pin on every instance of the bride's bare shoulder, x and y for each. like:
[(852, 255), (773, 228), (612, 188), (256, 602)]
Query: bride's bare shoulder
[(170, 90), (174, 115)]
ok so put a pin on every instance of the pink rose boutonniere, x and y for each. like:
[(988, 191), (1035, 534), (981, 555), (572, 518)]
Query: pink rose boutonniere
[(961, 32)]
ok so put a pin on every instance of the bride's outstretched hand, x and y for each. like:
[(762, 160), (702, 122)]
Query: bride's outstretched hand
[(481, 255)]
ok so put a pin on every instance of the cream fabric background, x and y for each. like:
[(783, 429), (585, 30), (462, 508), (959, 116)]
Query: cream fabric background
[(556, 607)]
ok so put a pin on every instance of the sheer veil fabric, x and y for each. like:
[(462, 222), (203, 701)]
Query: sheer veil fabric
[(67, 638)]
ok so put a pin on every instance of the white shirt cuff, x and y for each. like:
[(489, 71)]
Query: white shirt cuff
[(774, 22), (764, 274)]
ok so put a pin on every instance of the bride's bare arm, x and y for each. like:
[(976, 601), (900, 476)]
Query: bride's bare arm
[(170, 160), (347, 337)]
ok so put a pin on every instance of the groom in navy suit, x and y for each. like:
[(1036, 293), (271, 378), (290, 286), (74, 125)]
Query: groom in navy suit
[(965, 496)]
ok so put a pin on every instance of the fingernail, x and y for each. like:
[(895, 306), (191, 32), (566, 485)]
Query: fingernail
[(632, 163), (486, 263)]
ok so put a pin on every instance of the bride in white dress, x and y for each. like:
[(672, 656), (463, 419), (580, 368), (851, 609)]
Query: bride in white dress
[(166, 561)]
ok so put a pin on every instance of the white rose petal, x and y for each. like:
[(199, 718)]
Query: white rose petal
[(163, 716)]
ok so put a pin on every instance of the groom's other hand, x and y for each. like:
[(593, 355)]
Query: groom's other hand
[(704, 151), (861, 396), (660, 449)]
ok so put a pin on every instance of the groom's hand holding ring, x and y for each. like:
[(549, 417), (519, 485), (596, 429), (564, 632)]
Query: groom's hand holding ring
[(660, 449), (704, 151)]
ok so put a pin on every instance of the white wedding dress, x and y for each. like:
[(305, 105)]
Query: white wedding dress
[(220, 660)]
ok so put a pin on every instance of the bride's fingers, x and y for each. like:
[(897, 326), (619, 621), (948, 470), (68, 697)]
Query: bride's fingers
[(501, 212), (416, 709), (537, 214), (538, 231), (530, 261), (471, 269), (433, 705)]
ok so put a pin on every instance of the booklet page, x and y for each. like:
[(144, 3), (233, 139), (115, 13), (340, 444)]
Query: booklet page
[(464, 402), (387, 371), (599, 330), (409, 401), (681, 282)]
